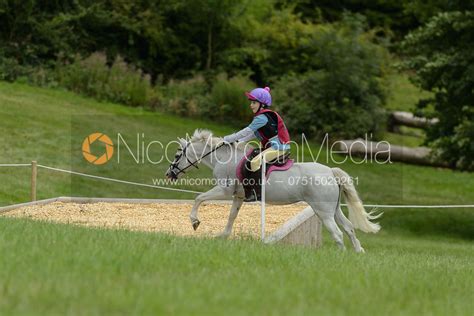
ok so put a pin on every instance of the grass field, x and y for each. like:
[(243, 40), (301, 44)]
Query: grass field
[(57, 269), (420, 263)]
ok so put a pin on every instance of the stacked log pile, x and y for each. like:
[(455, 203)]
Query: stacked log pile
[(384, 151), (398, 118)]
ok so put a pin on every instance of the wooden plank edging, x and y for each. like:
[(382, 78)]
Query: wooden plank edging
[(290, 225), (291, 228), (39, 202)]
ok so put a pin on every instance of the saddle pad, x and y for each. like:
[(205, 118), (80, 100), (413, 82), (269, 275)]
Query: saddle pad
[(288, 164), (238, 170)]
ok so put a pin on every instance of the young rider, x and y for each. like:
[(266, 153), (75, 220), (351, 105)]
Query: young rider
[(268, 127)]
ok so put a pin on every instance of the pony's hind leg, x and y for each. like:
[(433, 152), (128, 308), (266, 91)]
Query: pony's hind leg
[(342, 220), (336, 233), (328, 220)]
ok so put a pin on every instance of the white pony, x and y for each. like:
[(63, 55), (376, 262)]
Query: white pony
[(318, 185)]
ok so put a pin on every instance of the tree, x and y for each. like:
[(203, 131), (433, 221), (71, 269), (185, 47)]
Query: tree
[(441, 53), (342, 93), (389, 17), (30, 34)]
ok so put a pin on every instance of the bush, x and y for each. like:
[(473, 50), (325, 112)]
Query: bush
[(185, 97), (227, 101), (342, 94), (119, 83), (224, 101), (11, 70)]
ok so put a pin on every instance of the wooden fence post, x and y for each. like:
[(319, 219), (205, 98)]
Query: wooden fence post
[(34, 172)]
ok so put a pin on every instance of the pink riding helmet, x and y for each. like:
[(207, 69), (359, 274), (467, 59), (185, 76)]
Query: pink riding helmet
[(261, 95)]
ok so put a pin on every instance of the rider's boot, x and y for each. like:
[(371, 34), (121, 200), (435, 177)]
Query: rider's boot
[(254, 188), (249, 193)]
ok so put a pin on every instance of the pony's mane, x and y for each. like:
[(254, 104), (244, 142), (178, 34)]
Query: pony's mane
[(204, 135)]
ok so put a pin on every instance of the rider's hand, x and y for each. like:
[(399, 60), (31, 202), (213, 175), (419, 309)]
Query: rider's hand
[(226, 140)]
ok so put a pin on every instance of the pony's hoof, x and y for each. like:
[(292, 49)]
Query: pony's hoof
[(196, 224), (361, 250), (222, 236)]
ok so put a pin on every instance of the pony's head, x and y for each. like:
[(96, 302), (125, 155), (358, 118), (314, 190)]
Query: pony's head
[(189, 153)]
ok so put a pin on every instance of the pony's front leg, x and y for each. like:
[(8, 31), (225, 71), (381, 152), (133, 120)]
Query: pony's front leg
[(216, 193), (234, 210)]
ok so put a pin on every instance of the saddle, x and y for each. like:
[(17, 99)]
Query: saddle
[(252, 181)]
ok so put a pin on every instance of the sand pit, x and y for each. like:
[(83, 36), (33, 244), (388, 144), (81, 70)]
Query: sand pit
[(160, 217)]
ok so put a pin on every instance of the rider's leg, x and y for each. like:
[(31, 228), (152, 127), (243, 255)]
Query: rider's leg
[(254, 178), (268, 154)]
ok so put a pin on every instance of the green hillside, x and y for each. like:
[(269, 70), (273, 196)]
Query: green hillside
[(49, 126)]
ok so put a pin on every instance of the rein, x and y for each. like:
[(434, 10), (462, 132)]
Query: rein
[(175, 164)]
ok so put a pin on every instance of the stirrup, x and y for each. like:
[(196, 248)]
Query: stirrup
[(252, 197)]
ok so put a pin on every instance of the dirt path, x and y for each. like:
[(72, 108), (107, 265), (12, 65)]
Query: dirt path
[(171, 218)]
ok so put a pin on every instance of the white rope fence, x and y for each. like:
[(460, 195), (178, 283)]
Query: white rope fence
[(417, 206), (15, 165), (198, 192), (117, 180)]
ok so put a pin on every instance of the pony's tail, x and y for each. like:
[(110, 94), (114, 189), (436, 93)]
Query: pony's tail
[(357, 214)]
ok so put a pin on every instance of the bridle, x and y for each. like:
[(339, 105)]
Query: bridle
[(175, 164)]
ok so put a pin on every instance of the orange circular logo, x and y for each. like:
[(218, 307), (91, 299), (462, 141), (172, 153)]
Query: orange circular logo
[(105, 140)]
